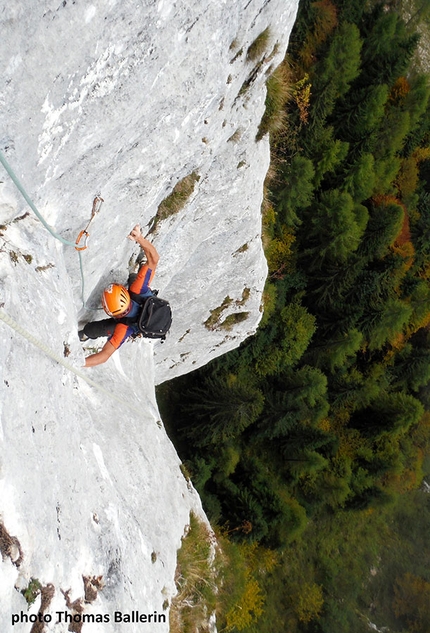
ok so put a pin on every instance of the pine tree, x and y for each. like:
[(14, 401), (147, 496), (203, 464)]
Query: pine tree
[(334, 73), (359, 115), (296, 189), (417, 99), (359, 181), (387, 48), (304, 440), (384, 225), (383, 323), (245, 507), (350, 390), (420, 303), (421, 230), (221, 409), (334, 352), (412, 367), (301, 399), (329, 286), (327, 152), (334, 232), (392, 413), (391, 137), (308, 462)]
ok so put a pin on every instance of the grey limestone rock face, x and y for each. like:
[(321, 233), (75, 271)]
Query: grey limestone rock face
[(125, 99)]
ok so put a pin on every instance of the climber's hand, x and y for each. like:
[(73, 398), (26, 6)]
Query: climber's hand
[(135, 233)]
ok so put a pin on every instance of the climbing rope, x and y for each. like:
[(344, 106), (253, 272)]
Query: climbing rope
[(29, 201), (98, 200), (96, 208), (46, 350)]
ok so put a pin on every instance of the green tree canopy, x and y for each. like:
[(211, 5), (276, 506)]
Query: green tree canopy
[(334, 231)]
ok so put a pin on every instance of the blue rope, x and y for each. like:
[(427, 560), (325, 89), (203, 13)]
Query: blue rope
[(49, 352), (32, 206), (29, 201)]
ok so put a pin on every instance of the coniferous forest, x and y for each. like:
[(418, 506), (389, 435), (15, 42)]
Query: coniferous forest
[(310, 443)]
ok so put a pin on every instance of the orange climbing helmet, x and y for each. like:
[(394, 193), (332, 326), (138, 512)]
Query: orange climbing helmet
[(116, 300)]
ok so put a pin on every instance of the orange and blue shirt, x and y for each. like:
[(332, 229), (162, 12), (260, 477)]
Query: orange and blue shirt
[(140, 286)]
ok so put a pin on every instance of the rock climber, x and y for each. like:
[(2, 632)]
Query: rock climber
[(118, 303)]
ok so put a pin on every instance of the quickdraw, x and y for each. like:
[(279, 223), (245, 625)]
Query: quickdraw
[(97, 203)]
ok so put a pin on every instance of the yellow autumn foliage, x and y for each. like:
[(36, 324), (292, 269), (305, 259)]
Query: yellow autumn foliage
[(248, 609), (279, 253), (308, 602)]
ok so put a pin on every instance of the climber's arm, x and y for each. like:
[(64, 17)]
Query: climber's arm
[(149, 249), (100, 357)]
